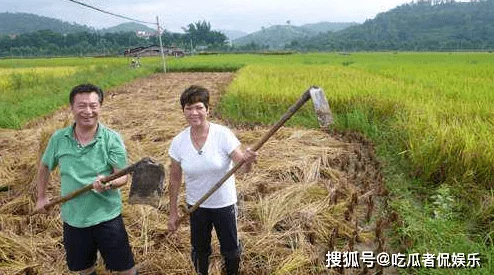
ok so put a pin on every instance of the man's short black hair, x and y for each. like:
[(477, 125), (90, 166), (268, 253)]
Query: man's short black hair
[(86, 88), (195, 94)]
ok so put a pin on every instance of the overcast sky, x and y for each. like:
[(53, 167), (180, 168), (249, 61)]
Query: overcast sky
[(243, 15)]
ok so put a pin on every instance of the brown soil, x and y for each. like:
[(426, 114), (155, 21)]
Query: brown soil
[(311, 191)]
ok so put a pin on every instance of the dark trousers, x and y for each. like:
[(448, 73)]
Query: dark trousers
[(110, 238), (224, 221)]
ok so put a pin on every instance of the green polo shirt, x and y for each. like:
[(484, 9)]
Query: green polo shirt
[(79, 166)]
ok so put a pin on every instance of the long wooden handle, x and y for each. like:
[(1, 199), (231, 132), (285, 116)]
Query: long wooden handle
[(294, 108), (86, 188)]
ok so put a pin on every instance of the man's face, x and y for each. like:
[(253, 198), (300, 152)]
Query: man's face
[(86, 109)]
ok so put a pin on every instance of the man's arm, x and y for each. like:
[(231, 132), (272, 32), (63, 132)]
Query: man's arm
[(42, 179), (117, 158), (114, 184), (118, 182)]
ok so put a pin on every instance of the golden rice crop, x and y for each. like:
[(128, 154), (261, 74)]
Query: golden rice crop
[(7, 76)]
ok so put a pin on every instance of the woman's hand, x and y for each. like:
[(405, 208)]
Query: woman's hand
[(173, 222), (250, 156), (40, 205)]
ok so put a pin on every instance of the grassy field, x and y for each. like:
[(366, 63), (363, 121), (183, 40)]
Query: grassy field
[(34, 87), (427, 113)]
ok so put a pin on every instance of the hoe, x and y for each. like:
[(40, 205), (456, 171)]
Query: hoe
[(146, 187), (324, 118)]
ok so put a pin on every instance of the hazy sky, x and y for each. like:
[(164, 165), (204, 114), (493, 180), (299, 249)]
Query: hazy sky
[(243, 15)]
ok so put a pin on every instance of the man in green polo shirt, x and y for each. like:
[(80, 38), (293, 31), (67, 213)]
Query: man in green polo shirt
[(85, 152)]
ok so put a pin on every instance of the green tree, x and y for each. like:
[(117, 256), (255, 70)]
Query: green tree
[(200, 33)]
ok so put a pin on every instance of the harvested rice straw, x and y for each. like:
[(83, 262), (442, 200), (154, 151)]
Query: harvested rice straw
[(272, 209), (144, 225), (287, 215), (293, 263)]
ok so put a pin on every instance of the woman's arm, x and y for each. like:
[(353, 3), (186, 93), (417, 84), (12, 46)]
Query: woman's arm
[(175, 183), (248, 156)]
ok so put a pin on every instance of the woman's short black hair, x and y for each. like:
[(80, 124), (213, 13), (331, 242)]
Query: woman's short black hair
[(195, 94), (86, 88)]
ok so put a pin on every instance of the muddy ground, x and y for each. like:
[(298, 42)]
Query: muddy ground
[(311, 191)]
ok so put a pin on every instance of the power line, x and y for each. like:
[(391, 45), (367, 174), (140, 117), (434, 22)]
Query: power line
[(111, 13), (131, 19)]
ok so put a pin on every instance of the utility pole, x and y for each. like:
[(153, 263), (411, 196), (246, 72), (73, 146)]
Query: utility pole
[(161, 45)]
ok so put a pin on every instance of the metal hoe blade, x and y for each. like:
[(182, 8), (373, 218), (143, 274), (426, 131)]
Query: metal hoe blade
[(321, 106), (147, 183)]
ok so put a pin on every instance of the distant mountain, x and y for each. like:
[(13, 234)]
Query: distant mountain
[(417, 26), (275, 36), (233, 34), (18, 23), (129, 27), (279, 35), (322, 27)]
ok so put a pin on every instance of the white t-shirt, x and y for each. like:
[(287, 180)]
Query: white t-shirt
[(204, 169)]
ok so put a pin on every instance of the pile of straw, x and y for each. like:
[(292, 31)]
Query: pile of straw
[(309, 193)]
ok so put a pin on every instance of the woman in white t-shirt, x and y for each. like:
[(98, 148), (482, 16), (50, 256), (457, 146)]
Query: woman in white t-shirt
[(204, 152)]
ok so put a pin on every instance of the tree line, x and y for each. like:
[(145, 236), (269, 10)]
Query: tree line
[(50, 43)]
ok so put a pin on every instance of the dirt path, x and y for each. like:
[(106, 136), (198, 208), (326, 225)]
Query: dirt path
[(310, 193)]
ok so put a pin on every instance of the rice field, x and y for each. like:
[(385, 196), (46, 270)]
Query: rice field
[(446, 98), (30, 88), (428, 114), (290, 212), (12, 79)]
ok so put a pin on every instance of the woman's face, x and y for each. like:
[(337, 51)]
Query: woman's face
[(196, 113)]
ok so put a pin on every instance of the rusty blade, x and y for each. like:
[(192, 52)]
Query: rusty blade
[(321, 106), (147, 183)]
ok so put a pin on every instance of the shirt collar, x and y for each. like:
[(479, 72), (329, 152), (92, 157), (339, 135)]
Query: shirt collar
[(69, 131)]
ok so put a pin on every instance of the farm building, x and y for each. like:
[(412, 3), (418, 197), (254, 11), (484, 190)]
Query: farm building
[(154, 51)]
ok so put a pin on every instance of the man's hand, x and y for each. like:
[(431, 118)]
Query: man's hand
[(99, 186), (42, 178)]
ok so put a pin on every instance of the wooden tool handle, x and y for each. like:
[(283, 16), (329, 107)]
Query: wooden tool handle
[(86, 188), (294, 108)]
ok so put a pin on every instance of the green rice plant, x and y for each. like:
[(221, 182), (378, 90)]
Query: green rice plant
[(426, 234), (417, 99), (443, 203)]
